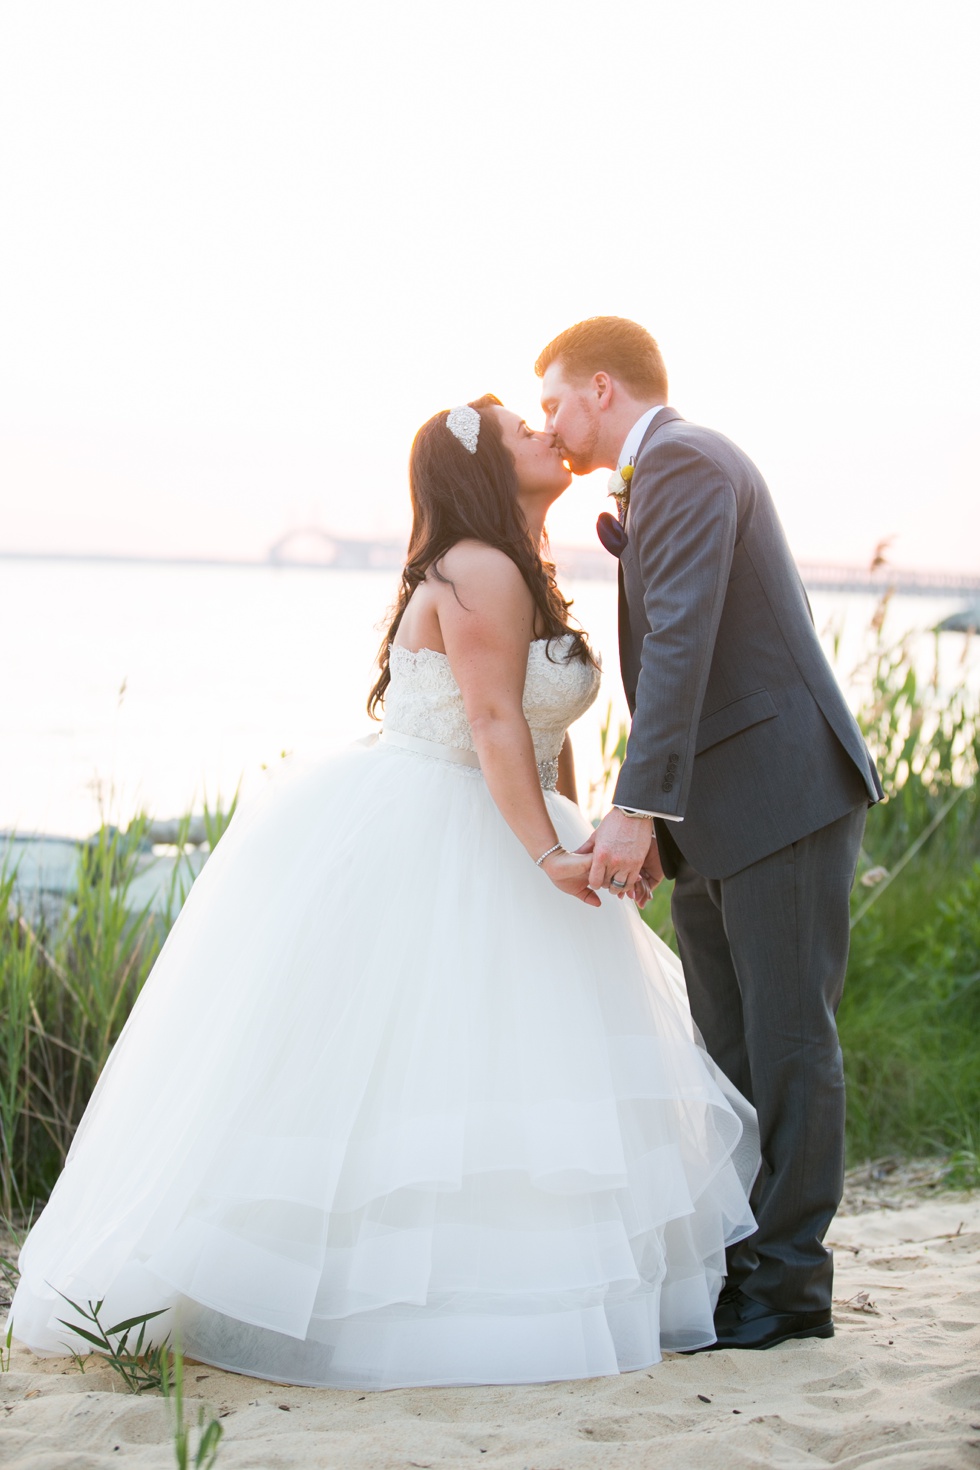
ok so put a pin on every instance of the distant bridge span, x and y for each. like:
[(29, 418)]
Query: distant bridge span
[(311, 546), (826, 577), (317, 550)]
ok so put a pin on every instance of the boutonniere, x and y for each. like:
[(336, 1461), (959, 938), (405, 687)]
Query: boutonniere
[(619, 488)]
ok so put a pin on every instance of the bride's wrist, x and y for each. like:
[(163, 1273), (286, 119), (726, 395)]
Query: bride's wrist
[(549, 852)]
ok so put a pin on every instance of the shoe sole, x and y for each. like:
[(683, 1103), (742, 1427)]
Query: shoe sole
[(825, 1330)]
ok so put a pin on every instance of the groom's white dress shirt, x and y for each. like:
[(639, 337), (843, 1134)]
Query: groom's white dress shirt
[(634, 438), (627, 454)]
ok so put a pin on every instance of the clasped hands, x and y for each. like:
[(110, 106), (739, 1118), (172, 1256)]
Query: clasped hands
[(624, 859)]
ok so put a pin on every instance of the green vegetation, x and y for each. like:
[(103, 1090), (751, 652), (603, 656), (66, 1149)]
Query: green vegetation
[(209, 1431), (145, 1369), (66, 988), (910, 1017), (140, 1368)]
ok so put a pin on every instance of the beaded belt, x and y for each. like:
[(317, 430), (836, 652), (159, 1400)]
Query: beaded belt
[(547, 770)]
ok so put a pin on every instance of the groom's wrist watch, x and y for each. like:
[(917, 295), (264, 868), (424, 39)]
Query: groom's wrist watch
[(631, 811)]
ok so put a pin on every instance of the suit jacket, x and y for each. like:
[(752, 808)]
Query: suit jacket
[(739, 726)]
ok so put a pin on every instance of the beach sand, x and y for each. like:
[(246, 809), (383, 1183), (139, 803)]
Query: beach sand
[(899, 1386)]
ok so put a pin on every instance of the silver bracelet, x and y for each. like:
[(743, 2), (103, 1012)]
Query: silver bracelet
[(557, 848)]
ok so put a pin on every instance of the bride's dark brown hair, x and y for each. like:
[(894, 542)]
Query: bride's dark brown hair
[(458, 496)]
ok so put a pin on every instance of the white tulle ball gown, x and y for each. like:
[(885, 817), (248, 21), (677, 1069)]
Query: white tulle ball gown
[(393, 1110)]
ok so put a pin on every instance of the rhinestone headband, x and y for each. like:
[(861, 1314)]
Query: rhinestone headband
[(464, 424)]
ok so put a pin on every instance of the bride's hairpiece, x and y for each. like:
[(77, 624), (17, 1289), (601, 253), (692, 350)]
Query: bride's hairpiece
[(464, 424)]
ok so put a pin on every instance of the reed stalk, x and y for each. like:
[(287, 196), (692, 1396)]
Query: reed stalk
[(67, 986), (209, 1431)]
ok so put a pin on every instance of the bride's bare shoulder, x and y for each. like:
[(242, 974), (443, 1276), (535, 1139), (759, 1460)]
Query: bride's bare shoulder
[(476, 564), (481, 586)]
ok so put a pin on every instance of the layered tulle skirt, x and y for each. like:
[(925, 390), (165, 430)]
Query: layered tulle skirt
[(392, 1110)]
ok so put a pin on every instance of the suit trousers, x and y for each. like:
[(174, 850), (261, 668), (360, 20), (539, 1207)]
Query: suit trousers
[(764, 954)]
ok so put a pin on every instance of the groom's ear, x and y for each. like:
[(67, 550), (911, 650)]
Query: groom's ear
[(602, 387)]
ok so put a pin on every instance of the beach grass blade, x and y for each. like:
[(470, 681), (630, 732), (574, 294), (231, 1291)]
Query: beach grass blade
[(208, 1433), (140, 1370)]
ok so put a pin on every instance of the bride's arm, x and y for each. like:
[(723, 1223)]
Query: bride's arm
[(486, 619)]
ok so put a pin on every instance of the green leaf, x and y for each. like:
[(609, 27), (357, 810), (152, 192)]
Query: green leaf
[(98, 1342), (89, 1315), (211, 1435), (131, 1322)]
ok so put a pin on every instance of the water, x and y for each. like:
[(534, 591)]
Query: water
[(158, 686)]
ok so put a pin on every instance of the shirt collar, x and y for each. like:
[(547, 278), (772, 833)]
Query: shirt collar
[(634, 438)]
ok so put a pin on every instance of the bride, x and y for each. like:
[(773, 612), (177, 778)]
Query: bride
[(404, 1101)]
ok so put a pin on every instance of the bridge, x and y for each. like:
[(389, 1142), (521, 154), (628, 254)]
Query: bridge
[(311, 546), (827, 577), (594, 564)]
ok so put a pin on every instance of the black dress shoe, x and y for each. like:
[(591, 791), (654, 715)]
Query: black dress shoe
[(742, 1322), (728, 1294)]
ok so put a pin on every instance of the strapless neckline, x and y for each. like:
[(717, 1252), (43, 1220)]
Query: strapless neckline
[(438, 653), (424, 700)]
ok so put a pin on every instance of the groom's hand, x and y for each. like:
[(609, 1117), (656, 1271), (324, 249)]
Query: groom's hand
[(621, 848), (652, 872)]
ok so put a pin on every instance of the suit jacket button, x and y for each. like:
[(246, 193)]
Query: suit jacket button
[(668, 786), (673, 759)]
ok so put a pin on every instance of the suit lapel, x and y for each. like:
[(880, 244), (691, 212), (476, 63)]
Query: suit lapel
[(659, 420)]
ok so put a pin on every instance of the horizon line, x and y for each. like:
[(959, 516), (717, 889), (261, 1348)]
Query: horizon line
[(591, 559)]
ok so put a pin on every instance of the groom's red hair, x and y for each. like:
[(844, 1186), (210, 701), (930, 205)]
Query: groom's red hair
[(613, 345)]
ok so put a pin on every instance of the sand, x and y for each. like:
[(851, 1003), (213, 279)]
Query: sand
[(898, 1386)]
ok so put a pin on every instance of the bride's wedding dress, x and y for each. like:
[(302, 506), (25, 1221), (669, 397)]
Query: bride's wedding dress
[(393, 1110)]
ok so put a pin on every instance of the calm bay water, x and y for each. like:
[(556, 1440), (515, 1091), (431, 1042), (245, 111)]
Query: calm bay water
[(128, 686)]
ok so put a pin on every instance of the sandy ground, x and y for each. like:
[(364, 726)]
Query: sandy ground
[(898, 1386)]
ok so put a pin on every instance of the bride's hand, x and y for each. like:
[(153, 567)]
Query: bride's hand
[(642, 890), (569, 871)]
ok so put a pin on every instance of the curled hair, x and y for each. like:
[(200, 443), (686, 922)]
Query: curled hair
[(613, 345), (458, 496)]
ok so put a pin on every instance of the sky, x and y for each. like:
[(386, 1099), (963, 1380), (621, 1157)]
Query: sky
[(247, 248)]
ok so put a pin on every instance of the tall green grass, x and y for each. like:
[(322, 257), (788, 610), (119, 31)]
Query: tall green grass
[(66, 989), (910, 1018)]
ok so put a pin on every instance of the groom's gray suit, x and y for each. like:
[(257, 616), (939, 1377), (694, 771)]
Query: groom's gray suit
[(742, 736)]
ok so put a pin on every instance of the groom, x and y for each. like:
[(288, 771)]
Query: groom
[(745, 779)]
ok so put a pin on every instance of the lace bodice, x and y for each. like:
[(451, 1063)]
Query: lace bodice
[(423, 699)]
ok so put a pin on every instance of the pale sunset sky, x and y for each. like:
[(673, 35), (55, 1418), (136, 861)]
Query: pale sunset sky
[(247, 248)]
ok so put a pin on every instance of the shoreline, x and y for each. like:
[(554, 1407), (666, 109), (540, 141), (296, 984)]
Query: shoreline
[(576, 562)]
